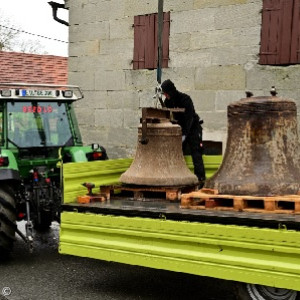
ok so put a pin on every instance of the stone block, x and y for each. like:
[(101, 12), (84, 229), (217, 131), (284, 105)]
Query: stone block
[(190, 59), (109, 118), (86, 80), (92, 134), (222, 38), (238, 16), (85, 115), (121, 28), (183, 78), (224, 98), (131, 118), (94, 11), (89, 31), (203, 100), (90, 48), (178, 5), (140, 7), (146, 98), (220, 78), (110, 80), (234, 55), (122, 99), (117, 46), (105, 62), (215, 120), (216, 3), (123, 137), (180, 42), (101, 63), (140, 79), (246, 36), (95, 99), (192, 21), (211, 39), (264, 77)]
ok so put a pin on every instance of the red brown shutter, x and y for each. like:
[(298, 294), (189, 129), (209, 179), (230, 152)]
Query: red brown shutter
[(280, 32), (165, 38), (139, 42), (286, 32), (145, 41), (151, 42), (270, 32), (295, 44)]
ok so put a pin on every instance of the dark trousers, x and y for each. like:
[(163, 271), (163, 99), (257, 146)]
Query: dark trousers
[(191, 146)]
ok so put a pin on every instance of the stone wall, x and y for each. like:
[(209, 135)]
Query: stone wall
[(214, 48)]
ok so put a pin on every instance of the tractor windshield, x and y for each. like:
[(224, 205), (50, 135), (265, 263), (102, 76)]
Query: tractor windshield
[(38, 124)]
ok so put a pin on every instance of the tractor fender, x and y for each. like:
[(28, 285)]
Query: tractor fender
[(9, 174)]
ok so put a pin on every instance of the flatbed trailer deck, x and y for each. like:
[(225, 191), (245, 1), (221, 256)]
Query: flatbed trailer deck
[(255, 248)]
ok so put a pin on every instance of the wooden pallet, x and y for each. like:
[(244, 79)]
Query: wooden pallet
[(210, 199), (142, 192)]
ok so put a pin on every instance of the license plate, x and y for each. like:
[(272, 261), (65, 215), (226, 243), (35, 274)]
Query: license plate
[(38, 93)]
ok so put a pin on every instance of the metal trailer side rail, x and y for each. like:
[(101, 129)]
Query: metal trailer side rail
[(251, 254), (254, 255)]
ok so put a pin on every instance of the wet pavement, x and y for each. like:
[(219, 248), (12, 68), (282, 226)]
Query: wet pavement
[(45, 274)]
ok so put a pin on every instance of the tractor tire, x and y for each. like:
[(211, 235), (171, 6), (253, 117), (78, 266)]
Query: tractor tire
[(247, 291), (7, 223)]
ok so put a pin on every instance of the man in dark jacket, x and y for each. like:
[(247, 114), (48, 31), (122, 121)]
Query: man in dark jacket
[(189, 122)]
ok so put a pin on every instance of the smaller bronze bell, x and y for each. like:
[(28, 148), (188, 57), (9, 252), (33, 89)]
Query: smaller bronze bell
[(159, 160)]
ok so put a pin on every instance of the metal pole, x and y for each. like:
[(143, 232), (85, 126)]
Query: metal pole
[(159, 50), (159, 39)]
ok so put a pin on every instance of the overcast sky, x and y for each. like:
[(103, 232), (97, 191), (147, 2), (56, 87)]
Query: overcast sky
[(35, 17)]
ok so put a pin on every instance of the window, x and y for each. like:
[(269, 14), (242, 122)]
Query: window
[(280, 32), (145, 41), (38, 124)]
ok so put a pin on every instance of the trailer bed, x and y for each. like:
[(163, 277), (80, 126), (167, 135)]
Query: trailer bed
[(161, 209)]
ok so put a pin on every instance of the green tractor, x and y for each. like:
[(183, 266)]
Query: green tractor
[(38, 133)]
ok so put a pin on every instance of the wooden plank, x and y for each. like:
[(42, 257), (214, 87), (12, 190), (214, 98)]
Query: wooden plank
[(139, 42), (274, 204), (150, 36), (141, 192), (165, 37), (270, 32), (295, 43), (285, 20)]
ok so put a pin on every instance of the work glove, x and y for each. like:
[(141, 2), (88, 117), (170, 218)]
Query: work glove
[(183, 138)]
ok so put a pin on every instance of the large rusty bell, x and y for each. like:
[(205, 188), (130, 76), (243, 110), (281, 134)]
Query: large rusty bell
[(262, 156), (159, 160)]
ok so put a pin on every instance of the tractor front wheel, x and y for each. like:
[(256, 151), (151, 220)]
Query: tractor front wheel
[(7, 222)]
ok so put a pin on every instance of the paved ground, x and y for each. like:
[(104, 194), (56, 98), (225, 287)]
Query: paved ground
[(47, 275)]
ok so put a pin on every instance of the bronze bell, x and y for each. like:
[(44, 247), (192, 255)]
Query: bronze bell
[(159, 160), (262, 156)]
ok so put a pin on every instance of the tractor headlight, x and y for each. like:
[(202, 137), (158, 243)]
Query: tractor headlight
[(95, 146), (67, 93), (5, 93)]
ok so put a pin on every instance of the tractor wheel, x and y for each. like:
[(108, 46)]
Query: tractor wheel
[(7, 223), (247, 291)]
